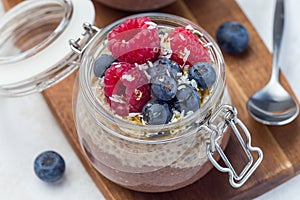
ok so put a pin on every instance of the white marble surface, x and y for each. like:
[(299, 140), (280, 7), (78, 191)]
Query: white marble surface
[(260, 14), (27, 127)]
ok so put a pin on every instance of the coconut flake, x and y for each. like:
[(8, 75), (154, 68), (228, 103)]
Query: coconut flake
[(147, 75), (133, 114), (128, 77), (207, 44), (182, 37), (174, 116), (117, 66), (150, 64), (194, 83), (186, 54), (143, 121), (189, 27), (176, 113), (152, 25), (189, 113), (182, 114), (184, 79), (116, 98), (166, 52), (173, 120), (181, 87), (168, 73), (143, 67)]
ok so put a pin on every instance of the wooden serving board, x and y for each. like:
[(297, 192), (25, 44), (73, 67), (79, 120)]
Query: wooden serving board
[(246, 73)]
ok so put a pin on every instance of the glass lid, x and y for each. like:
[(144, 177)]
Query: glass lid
[(33, 28), (34, 44)]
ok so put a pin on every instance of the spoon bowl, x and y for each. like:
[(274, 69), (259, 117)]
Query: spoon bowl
[(273, 105)]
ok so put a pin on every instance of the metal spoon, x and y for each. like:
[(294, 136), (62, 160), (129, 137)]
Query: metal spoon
[(273, 105)]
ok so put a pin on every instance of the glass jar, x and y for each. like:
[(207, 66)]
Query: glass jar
[(155, 158), (150, 158)]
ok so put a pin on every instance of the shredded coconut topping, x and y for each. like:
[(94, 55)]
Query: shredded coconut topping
[(183, 80)]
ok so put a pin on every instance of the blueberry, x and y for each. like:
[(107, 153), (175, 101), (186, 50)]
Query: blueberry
[(165, 66), (204, 74), (49, 166), (232, 37), (156, 112), (102, 63), (187, 99), (163, 87)]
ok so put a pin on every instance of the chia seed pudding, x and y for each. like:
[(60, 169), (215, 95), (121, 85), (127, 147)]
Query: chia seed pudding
[(146, 86)]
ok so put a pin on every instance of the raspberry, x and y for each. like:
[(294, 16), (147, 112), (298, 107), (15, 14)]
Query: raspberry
[(112, 77), (126, 88), (136, 40), (137, 98), (186, 47), (138, 90)]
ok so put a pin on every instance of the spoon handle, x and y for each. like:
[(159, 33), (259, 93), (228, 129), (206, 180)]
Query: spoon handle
[(277, 37)]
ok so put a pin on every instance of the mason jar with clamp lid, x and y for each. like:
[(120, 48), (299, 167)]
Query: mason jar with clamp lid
[(141, 124)]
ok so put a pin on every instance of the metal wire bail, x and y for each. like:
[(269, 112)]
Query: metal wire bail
[(229, 115)]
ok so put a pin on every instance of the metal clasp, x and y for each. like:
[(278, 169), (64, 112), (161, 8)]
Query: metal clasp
[(80, 44), (217, 127)]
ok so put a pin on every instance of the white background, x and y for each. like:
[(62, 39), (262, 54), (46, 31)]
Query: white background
[(27, 127)]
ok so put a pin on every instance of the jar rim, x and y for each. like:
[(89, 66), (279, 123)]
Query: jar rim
[(216, 94), (53, 63), (26, 12)]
